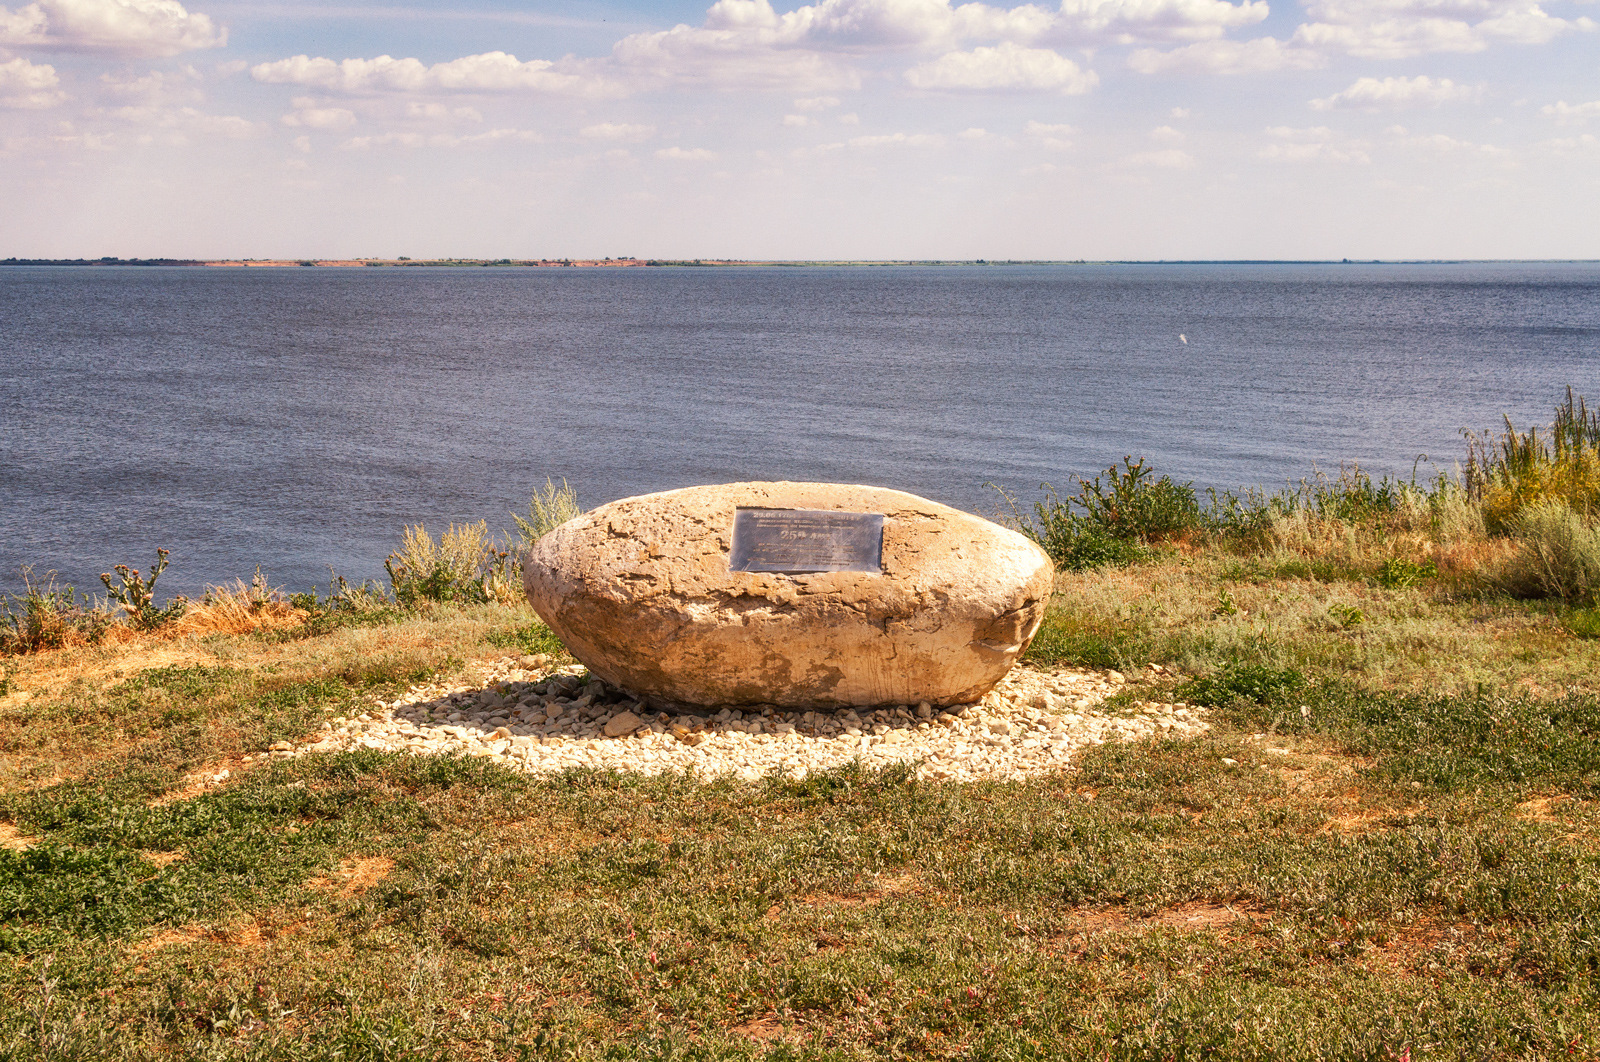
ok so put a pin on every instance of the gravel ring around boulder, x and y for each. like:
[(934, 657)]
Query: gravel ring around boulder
[(524, 714)]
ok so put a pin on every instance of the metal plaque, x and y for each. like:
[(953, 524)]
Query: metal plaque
[(806, 540)]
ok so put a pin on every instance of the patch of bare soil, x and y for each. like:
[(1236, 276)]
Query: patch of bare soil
[(52, 672), (354, 876), (768, 1028), (246, 934), (1407, 946), (199, 781), (1358, 820), (1547, 808), (14, 839), (1196, 914), (885, 887)]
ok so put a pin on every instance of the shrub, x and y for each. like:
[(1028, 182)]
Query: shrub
[(1074, 543), (1348, 617), (1518, 470), (1353, 497), (1251, 682), (138, 597), (547, 510), (1131, 506), (1558, 555), (1248, 517), (1583, 622), (241, 608), (48, 617), (465, 566), (1124, 512), (1397, 573)]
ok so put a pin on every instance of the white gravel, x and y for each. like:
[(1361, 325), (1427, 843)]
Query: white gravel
[(519, 712)]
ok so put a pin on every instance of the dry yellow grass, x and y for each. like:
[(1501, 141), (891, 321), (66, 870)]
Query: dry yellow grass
[(231, 616)]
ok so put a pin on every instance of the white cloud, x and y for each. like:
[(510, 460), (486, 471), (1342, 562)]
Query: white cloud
[(1318, 133), (747, 43), (816, 103), (179, 122), (617, 131), (896, 140), (1260, 55), (1311, 153), (1316, 143), (1127, 21), (739, 47), (438, 112), (309, 114), (678, 154), (122, 27), (1565, 112), (798, 121), (440, 140), (867, 24), (1441, 144), (1581, 142), (28, 85), (973, 134), (1170, 159), (850, 119), (1372, 29), (1049, 136), (1178, 112), (1165, 134), (490, 136), (1394, 93), (1400, 29), (1006, 66), (157, 86), (488, 72)]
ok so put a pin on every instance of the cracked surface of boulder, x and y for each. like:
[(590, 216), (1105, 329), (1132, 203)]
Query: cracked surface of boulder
[(640, 590)]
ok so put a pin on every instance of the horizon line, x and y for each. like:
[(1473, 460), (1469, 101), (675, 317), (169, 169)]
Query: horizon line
[(657, 262)]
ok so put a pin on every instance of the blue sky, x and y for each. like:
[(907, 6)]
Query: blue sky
[(834, 129)]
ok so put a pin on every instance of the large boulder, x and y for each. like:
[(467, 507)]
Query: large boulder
[(642, 591)]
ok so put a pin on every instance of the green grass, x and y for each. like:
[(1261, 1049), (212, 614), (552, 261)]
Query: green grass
[(530, 638), (1387, 847), (859, 914), (1337, 871)]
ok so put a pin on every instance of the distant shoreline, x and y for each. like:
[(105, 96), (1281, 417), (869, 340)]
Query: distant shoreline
[(629, 263)]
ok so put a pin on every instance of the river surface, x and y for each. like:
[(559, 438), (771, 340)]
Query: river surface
[(296, 419)]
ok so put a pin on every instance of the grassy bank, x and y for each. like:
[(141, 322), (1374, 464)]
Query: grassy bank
[(1386, 848)]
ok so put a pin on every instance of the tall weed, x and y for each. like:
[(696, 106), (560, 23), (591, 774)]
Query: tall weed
[(1113, 519), (1558, 555), (47, 617), (466, 566), (137, 596), (1518, 470), (548, 509), (240, 608)]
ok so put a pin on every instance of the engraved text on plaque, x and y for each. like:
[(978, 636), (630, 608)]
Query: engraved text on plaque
[(806, 540)]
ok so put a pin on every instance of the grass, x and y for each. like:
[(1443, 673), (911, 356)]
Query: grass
[(1387, 847), (1302, 900)]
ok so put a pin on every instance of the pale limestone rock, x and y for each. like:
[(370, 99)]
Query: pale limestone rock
[(622, 723), (641, 592)]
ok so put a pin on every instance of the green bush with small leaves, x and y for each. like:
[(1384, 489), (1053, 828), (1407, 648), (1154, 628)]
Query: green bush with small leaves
[(1251, 682)]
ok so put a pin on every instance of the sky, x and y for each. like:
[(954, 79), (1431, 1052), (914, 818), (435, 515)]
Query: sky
[(839, 129)]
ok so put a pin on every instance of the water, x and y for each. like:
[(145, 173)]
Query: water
[(297, 418)]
